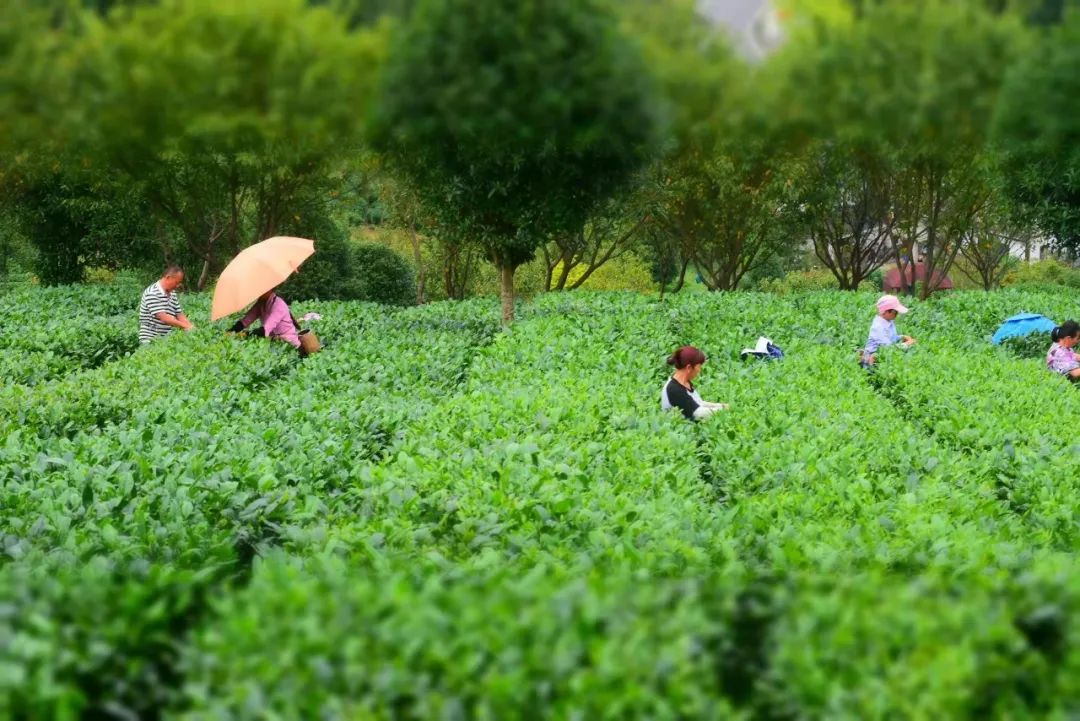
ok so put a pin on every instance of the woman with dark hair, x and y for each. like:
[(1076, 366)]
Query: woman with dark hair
[(1061, 358), (679, 391), (277, 321)]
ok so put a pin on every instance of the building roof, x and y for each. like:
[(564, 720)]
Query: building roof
[(891, 281)]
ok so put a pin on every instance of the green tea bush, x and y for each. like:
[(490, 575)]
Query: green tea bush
[(1032, 346), (189, 472), (436, 517)]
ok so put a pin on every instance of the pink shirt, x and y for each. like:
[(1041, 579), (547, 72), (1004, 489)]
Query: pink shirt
[(276, 320), (1061, 359)]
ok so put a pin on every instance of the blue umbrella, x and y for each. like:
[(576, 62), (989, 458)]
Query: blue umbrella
[(1023, 324)]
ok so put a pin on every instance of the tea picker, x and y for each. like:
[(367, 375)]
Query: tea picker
[(679, 391), (252, 277), (159, 308), (883, 330), (277, 320), (1061, 358)]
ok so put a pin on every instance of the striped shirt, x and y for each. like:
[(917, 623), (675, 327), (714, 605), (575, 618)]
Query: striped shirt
[(155, 300)]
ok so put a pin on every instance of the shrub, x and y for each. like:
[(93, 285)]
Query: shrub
[(344, 270), (798, 281), (327, 274), (627, 272), (876, 279), (1033, 345), (1043, 272), (99, 276), (382, 276)]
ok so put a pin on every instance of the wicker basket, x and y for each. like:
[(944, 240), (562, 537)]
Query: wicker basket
[(309, 342)]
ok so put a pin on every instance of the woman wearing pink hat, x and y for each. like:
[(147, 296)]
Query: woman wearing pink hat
[(883, 329)]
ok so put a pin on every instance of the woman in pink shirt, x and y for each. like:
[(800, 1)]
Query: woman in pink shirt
[(1061, 357), (277, 321)]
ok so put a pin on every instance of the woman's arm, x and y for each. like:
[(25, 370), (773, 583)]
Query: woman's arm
[(250, 316), (247, 320)]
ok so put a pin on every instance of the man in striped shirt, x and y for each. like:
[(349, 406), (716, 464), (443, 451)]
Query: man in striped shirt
[(159, 310)]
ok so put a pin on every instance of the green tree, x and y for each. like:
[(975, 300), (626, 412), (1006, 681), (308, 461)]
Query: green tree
[(1038, 132), (514, 119), (612, 231), (227, 115), (75, 220), (844, 199), (724, 180), (730, 214), (987, 244), (917, 108), (367, 12)]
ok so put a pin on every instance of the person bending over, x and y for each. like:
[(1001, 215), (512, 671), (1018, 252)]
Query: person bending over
[(277, 320)]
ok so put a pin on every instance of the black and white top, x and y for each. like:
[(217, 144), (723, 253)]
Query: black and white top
[(155, 300), (675, 395)]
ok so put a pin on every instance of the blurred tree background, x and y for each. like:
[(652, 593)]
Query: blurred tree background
[(542, 148)]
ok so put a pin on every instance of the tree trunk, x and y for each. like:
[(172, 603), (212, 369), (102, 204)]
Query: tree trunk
[(464, 273), (549, 270), (234, 220), (681, 278), (164, 243), (204, 275), (421, 272), (565, 272), (507, 276), (448, 275)]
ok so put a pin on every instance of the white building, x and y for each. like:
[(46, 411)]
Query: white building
[(755, 24)]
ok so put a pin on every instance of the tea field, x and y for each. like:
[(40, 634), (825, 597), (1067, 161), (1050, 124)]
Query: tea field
[(435, 518)]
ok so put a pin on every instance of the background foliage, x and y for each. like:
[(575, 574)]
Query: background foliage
[(135, 133)]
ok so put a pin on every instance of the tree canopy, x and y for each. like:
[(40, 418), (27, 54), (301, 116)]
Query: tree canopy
[(515, 118)]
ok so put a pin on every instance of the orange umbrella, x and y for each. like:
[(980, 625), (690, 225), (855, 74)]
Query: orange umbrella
[(257, 269)]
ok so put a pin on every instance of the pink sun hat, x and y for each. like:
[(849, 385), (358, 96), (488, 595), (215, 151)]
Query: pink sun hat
[(890, 302)]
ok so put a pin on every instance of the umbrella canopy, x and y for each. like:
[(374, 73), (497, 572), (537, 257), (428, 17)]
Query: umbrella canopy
[(257, 269), (1023, 324)]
